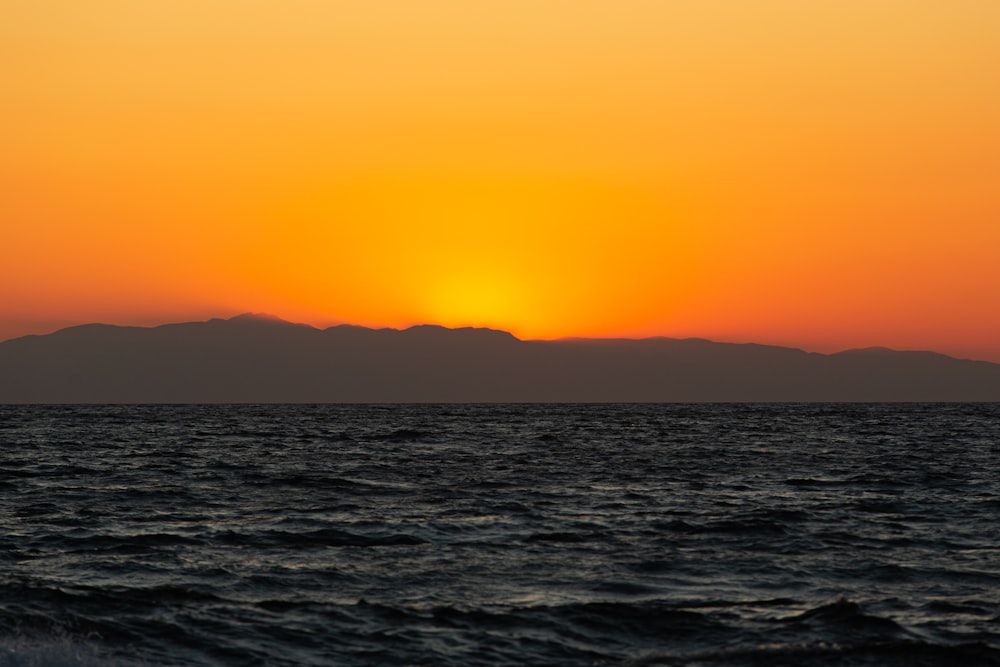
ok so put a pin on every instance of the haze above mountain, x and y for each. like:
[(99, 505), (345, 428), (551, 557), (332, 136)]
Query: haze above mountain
[(263, 359)]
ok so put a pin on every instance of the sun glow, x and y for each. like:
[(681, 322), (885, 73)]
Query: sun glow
[(477, 297), (527, 252)]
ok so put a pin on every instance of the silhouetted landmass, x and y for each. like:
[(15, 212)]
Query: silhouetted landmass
[(261, 359)]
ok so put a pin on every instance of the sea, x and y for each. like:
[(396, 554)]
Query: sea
[(465, 535)]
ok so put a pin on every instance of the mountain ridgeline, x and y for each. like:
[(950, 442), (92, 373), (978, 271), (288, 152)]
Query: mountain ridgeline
[(260, 359)]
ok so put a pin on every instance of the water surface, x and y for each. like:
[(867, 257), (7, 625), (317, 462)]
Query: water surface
[(500, 534)]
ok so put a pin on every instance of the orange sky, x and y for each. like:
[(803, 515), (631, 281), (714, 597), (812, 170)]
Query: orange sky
[(819, 174)]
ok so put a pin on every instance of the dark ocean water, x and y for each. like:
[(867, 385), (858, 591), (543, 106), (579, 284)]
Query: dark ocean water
[(500, 535)]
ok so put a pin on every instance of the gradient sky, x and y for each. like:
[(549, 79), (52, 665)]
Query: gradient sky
[(821, 174)]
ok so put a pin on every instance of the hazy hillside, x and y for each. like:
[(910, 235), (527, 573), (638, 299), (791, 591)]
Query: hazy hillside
[(260, 359)]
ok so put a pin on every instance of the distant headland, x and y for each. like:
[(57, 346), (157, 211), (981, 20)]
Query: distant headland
[(256, 358)]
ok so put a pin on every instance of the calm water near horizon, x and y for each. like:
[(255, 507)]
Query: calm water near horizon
[(462, 535)]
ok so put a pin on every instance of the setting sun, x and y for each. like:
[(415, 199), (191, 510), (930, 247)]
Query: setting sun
[(476, 298)]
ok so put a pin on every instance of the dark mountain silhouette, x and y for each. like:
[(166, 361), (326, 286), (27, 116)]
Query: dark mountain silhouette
[(262, 359)]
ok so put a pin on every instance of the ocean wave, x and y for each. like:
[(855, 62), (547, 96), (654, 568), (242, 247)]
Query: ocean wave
[(453, 536), (902, 653)]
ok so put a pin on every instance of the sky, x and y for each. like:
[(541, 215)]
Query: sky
[(823, 174)]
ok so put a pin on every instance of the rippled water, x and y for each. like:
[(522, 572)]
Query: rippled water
[(500, 535)]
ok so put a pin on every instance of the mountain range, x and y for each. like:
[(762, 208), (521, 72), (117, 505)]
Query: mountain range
[(262, 359)]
